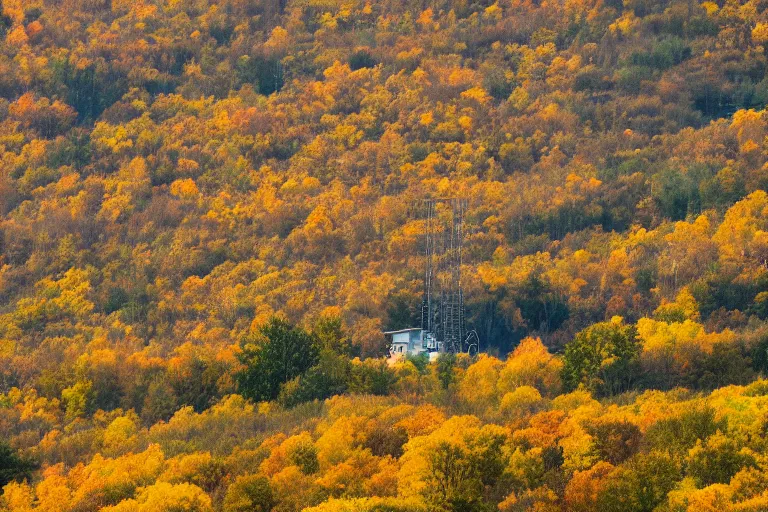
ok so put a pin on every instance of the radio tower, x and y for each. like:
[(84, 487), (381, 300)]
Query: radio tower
[(442, 314)]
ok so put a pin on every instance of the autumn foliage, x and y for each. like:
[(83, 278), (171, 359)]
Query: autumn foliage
[(209, 215)]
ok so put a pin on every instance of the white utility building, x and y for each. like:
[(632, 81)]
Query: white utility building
[(411, 342)]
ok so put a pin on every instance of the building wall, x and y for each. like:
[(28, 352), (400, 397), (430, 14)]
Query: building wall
[(401, 337)]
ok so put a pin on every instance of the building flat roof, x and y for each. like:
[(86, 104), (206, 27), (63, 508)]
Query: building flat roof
[(410, 329)]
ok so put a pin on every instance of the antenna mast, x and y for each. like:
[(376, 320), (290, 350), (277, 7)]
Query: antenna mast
[(443, 304)]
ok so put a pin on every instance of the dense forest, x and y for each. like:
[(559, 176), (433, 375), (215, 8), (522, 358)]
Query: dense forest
[(209, 215)]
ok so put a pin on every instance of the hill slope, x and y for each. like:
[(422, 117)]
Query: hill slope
[(176, 173)]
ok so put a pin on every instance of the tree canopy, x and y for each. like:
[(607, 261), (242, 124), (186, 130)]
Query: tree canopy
[(209, 215)]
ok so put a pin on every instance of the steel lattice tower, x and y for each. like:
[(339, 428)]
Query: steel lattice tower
[(443, 305)]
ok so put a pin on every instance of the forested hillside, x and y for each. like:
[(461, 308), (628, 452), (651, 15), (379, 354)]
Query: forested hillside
[(209, 214)]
